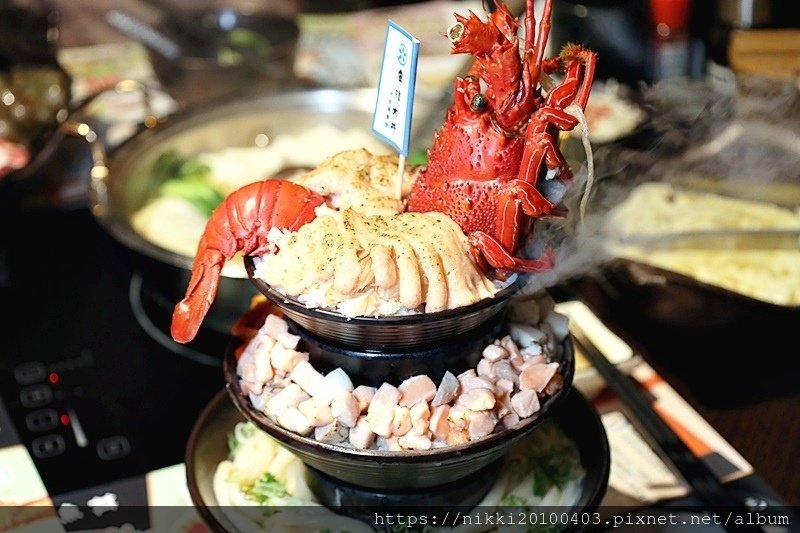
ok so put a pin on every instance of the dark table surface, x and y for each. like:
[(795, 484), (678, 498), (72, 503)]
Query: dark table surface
[(736, 375)]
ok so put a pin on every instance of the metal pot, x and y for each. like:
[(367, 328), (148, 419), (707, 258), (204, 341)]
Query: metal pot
[(124, 182)]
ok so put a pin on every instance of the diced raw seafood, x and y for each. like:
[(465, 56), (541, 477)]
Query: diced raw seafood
[(503, 390)]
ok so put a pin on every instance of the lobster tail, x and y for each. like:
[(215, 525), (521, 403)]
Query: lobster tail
[(240, 224), (190, 312)]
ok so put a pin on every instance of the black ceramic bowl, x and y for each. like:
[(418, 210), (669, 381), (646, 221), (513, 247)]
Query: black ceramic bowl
[(405, 332), (400, 470), (374, 367), (207, 448)]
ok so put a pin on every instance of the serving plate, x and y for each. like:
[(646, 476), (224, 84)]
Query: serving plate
[(207, 447)]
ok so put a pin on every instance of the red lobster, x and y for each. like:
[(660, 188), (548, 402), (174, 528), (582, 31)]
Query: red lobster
[(483, 167), (500, 135), (240, 224)]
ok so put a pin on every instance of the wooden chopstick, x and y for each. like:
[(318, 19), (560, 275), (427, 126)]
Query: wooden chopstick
[(705, 484)]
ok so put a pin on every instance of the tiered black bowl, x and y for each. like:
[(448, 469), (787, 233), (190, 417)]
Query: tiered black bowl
[(389, 349), (392, 333)]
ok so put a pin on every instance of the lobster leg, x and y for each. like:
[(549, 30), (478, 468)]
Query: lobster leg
[(541, 147), (240, 224), (515, 199), (488, 250)]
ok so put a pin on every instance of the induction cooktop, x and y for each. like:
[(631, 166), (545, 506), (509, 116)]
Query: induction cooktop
[(91, 384)]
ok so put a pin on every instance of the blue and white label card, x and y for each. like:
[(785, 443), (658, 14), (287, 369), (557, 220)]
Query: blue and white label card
[(395, 101)]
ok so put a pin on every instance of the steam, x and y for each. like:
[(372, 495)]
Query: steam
[(747, 134)]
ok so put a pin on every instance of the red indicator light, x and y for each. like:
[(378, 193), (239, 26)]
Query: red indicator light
[(64, 419), (53, 378)]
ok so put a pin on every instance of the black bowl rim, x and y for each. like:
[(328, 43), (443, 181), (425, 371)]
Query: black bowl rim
[(484, 444), (290, 303)]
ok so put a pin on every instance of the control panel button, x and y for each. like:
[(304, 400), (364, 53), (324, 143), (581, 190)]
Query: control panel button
[(48, 446), (42, 420), (113, 448), (31, 372), (36, 396)]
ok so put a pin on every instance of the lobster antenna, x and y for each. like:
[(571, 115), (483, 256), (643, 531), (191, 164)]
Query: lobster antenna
[(541, 35), (577, 111)]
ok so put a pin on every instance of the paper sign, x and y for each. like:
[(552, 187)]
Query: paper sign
[(391, 120)]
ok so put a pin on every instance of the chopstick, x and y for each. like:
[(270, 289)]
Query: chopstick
[(705, 484)]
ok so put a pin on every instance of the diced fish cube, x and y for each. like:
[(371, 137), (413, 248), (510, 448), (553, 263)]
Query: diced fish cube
[(290, 396), (364, 395), (537, 376), (309, 379), (447, 391), (361, 435), (387, 395), (344, 407), (478, 399), (417, 388), (287, 340), (525, 335), (285, 359), (401, 423), (525, 403), (332, 433), (493, 352), (415, 442), (317, 412), (481, 423), (380, 417), (439, 424), (292, 419), (274, 326)]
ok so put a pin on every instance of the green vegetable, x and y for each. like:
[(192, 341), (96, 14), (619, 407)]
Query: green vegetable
[(200, 194), (186, 178), (233, 445), (555, 461), (418, 157), (241, 38), (513, 501), (264, 489)]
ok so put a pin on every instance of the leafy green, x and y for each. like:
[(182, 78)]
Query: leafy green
[(417, 157), (233, 445), (264, 489), (513, 501), (555, 461), (186, 178), (199, 193), (243, 38)]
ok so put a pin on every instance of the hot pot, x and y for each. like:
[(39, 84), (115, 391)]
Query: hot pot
[(122, 182)]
